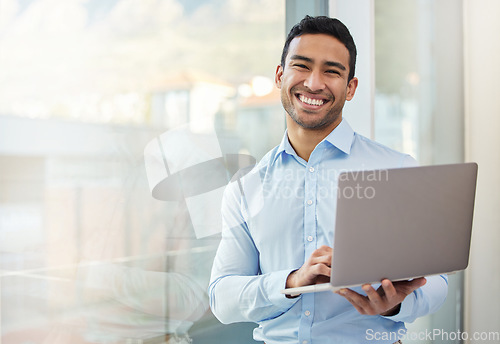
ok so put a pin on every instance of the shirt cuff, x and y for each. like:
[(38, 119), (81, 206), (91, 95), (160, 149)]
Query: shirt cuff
[(274, 285), (406, 309)]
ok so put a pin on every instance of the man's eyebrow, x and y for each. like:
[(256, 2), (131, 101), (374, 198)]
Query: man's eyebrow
[(328, 63), (300, 57), (335, 64)]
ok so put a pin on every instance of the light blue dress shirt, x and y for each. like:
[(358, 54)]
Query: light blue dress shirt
[(273, 219)]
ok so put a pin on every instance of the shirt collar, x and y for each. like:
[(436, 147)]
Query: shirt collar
[(284, 147), (340, 137)]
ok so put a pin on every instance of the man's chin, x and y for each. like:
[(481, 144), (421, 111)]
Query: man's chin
[(313, 124)]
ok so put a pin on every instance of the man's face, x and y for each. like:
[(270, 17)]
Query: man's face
[(313, 82)]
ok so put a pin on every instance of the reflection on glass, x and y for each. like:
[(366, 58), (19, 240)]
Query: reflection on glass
[(398, 108), (87, 254)]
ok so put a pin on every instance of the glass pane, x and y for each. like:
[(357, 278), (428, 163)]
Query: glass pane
[(398, 75), (103, 105), (419, 105)]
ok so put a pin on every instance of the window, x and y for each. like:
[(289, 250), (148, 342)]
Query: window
[(88, 255)]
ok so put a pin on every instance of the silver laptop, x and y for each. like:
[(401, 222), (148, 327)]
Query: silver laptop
[(400, 224)]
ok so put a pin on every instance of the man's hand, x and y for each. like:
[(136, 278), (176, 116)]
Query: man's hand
[(315, 270), (386, 300)]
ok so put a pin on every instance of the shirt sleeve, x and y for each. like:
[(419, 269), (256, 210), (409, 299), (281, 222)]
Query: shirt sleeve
[(425, 300), (238, 291), (409, 161)]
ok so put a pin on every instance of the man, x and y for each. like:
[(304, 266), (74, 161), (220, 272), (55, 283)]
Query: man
[(280, 234)]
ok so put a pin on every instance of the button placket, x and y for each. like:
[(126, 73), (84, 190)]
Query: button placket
[(310, 237)]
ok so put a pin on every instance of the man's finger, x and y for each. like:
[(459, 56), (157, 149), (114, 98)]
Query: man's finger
[(421, 281), (362, 302), (358, 301), (407, 287), (389, 289), (321, 270), (372, 294), (326, 260)]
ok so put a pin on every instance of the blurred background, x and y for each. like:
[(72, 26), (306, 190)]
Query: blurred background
[(88, 255)]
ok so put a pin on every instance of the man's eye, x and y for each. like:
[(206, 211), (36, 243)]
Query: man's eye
[(333, 72), (301, 66)]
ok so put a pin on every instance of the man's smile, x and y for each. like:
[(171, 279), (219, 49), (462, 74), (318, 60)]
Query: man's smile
[(310, 101)]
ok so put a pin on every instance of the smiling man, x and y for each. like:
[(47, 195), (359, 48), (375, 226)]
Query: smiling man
[(315, 81), (278, 233)]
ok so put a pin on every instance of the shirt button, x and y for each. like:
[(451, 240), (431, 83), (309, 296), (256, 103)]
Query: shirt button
[(311, 169), (310, 238), (307, 313), (310, 202)]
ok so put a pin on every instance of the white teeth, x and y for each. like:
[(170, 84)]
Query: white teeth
[(311, 101)]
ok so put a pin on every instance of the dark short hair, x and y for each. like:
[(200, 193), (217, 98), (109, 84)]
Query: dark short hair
[(325, 25)]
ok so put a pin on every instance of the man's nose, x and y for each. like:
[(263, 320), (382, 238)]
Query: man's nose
[(314, 81)]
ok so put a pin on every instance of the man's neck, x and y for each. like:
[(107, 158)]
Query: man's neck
[(305, 140)]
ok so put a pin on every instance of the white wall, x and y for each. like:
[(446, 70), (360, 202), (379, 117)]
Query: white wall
[(482, 144)]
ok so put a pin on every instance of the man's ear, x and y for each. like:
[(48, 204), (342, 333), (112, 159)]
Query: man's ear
[(278, 75), (351, 88)]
